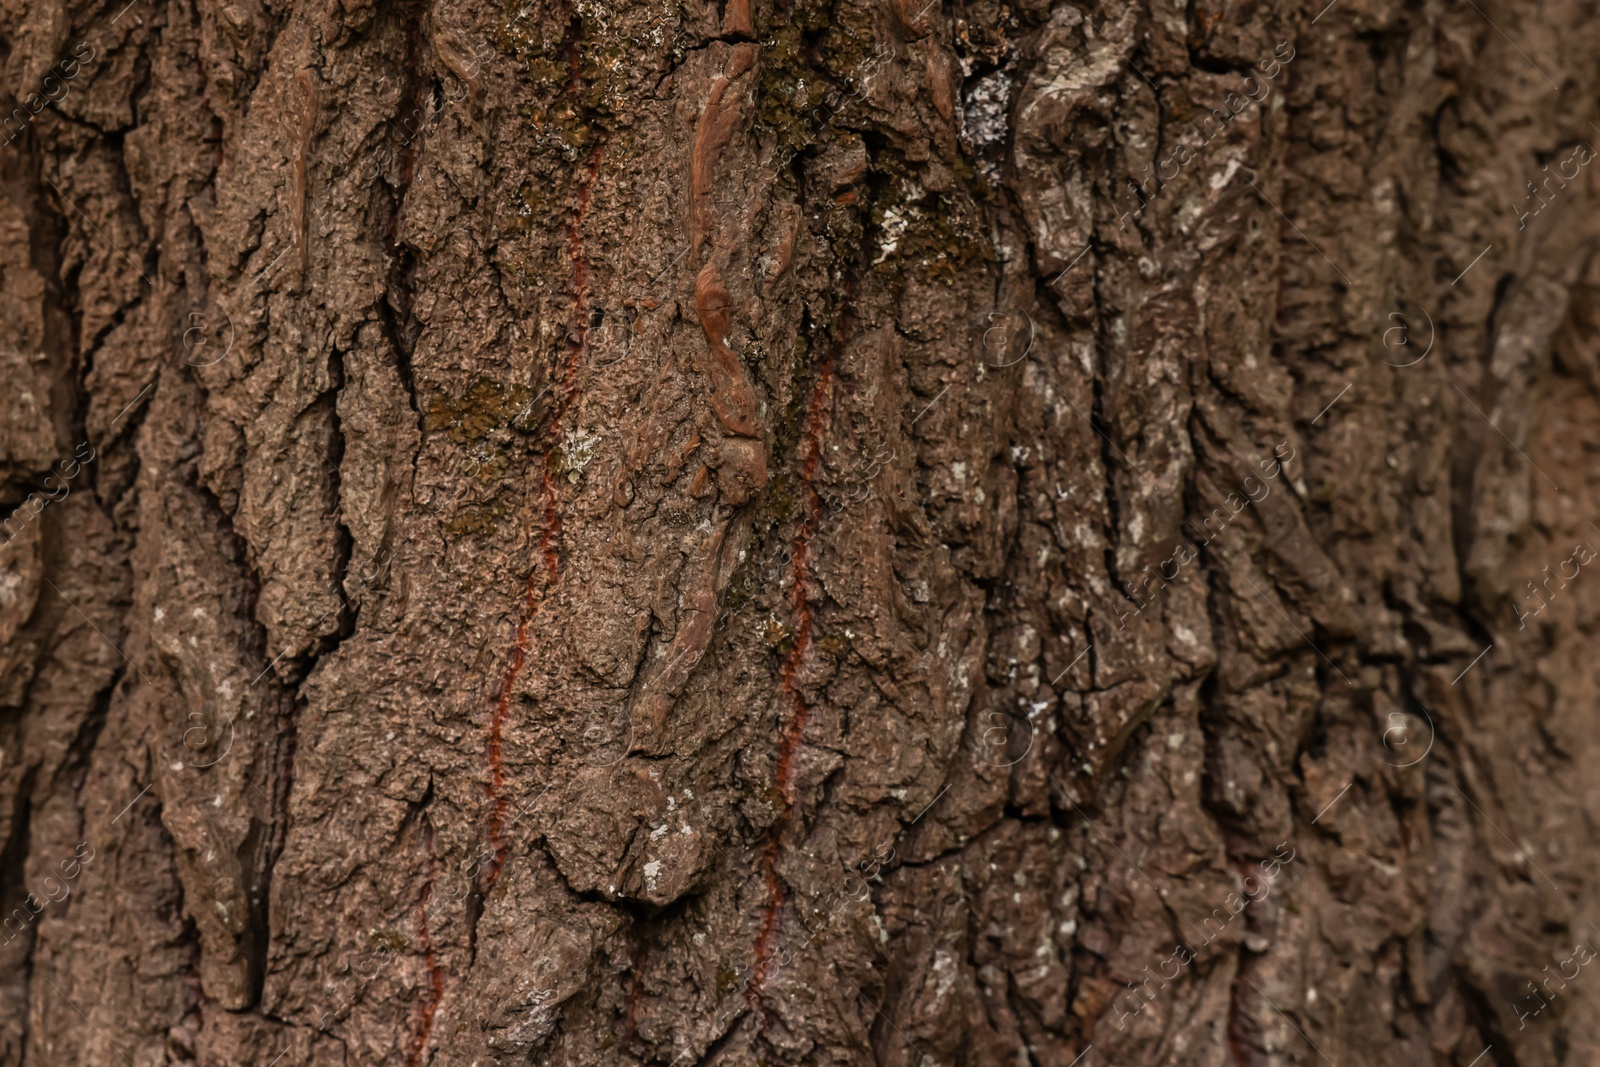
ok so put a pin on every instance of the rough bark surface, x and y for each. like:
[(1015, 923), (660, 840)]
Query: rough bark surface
[(876, 533)]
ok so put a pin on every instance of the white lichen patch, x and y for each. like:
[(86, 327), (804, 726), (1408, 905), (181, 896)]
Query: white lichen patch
[(987, 104), (578, 450), (894, 227)]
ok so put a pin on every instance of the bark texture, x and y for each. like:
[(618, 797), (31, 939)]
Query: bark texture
[(879, 532)]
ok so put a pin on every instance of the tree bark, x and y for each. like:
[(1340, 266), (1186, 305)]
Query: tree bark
[(887, 533)]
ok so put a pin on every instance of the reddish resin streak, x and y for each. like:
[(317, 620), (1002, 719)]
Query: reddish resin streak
[(540, 578), (1236, 1038), (1236, 1043), (435, 972), (630, 1022), (550, 525), (799, 711)]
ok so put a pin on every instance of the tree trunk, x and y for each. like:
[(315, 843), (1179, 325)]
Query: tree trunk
[(896, 533)]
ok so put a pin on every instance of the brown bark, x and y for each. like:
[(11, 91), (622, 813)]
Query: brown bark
[(887, 533)]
